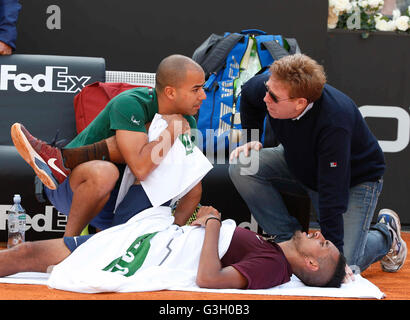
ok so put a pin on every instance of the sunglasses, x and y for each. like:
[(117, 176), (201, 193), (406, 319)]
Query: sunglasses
[(273, 96)]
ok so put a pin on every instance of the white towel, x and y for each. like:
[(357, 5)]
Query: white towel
[(171, 260), (359, 288), (175, 176)]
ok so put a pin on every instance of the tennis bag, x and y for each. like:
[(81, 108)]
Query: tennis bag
[(230, 60), (93, 98)]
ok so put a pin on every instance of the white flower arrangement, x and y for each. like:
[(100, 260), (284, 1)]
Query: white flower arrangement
[(365, 15)]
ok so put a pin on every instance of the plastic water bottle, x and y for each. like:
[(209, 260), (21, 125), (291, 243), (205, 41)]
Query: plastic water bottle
[(16, 217)]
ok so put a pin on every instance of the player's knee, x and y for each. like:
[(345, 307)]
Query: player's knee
[(104, 173), (100, 177), (95, 168)]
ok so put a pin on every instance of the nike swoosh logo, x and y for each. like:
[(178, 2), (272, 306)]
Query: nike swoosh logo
[(51, 163)]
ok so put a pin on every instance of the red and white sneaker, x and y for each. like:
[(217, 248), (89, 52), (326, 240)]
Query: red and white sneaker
[(46, 160)]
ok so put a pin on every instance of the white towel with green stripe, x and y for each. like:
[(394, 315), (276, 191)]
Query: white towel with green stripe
[(147, 253)]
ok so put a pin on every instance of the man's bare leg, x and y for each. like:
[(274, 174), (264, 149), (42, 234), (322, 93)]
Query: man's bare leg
[(91, 183), (32, 256)]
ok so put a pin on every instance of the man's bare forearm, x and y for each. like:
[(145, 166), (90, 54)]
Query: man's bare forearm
[(211, 274), (209, 262), (187, 205), (151, 155), (143, 156)]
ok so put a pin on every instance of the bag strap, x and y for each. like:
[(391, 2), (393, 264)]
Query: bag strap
[(293, 45), (203, 50), (275, 49), (215, 60)]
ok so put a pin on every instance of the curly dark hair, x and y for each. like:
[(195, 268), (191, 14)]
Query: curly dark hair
[(317, 280), (339, 274)]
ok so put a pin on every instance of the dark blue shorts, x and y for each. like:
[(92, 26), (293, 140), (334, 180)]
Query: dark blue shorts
[(135, 201), (62, 197)]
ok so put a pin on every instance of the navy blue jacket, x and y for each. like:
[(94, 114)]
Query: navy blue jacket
[(9, 10), (329, 149)]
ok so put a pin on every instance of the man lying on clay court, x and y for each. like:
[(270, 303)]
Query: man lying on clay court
[(250, 261)]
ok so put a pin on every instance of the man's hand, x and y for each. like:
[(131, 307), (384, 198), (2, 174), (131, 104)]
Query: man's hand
[(256, 145), (203, 214), (177, 124), (5, 49), (349, 275), (143, 156)]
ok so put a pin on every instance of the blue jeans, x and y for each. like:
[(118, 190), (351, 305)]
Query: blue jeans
[(363, 244)]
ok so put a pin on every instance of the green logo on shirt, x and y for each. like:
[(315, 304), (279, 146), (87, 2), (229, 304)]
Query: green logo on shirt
[(186, 141)]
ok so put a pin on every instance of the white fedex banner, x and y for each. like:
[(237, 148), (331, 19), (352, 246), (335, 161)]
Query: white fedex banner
[(51, 220)]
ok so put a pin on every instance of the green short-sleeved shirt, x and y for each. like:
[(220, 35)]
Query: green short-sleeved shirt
[(130, 110)]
